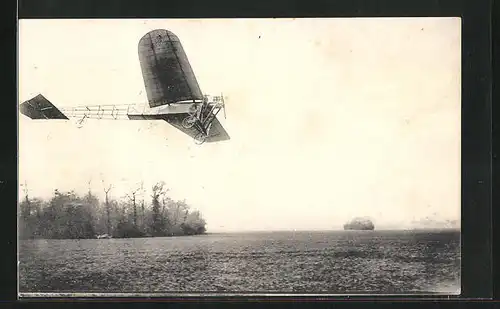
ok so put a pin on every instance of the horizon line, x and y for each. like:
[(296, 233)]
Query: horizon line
[(332, 230)]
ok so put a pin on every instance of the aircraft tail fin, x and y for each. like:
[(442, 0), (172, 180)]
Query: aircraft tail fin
[(40, 108)]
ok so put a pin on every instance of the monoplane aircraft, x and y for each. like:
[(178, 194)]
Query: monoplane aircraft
[(172, 90)]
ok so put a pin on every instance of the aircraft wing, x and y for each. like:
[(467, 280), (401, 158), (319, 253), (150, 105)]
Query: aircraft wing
[(217, 132), (40, 108)]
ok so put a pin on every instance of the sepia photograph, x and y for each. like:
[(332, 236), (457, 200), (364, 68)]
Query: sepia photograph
[(288, 156)]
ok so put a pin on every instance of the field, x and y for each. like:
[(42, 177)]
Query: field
[(327, 262)]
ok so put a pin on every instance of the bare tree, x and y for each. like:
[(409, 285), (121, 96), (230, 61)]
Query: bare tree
[(158, 220), (176, 210), (143, 213), (159, 189), (108, 208), (26, 211), (164, 202), (90, 198), (132, 198), (90, 183), (25, 189)]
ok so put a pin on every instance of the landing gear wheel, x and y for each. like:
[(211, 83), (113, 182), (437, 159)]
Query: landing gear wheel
[(188, 122), (80, 123), (200, 138), (192, 110)]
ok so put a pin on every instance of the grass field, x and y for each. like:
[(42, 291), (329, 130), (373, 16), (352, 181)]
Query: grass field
[(331, 262)]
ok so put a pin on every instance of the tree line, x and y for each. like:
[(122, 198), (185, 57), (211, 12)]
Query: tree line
[(67, 215)]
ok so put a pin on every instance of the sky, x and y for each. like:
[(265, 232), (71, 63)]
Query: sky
[(329, 119)]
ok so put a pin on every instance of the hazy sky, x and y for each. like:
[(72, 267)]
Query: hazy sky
[(329, 118)]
